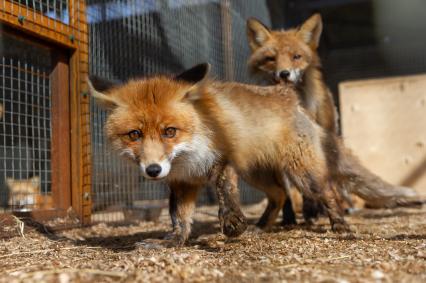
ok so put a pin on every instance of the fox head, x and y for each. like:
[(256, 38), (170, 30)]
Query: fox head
[(23, 191), (153, 122), (284, 55)]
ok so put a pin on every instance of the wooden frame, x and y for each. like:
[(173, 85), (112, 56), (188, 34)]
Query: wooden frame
[(70, 114)]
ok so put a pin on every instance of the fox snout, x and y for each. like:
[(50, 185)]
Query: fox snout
[(156, 170), (153, 170), (284, 74), (290, 75)]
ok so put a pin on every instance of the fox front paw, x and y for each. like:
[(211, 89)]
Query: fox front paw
[(175, 239), (233, 223), (340, 227)]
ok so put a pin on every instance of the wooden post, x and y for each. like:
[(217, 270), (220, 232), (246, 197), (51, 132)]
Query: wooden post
[(60, 156)]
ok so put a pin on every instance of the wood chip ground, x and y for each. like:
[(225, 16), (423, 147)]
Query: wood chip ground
[(385, 246)]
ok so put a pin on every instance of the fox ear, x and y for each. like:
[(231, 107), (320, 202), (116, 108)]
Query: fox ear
[(195, 76), (311, 30), (102, 84), (101, 99), (257, 33)]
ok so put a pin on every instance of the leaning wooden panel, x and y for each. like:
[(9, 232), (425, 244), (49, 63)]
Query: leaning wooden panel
[(384, 122)]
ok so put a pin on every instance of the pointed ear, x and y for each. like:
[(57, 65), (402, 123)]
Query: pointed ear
[(101, 99), (196, 76), (257, 33), (102, 84), (311, 30)]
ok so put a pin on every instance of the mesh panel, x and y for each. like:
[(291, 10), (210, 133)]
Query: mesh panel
[(140, 38), (54, 9), (25, 134)]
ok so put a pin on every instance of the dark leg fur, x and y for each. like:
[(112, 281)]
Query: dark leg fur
[(266, 216), (232, 220), (325, 195), (289, 217), (311, 209), (181, 206)]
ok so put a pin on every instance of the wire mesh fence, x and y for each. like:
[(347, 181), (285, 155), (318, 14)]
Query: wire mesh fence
[(25, 123), (54, 9), (138, 38)]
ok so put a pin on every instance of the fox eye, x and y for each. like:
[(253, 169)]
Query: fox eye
[(134, 135), (170, 132), (269, 59), (297, 56)]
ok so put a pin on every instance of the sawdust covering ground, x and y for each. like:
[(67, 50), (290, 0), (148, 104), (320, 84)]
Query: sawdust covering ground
[(386, 246)]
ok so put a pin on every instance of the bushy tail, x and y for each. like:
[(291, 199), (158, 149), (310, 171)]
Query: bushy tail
[(377, 193)]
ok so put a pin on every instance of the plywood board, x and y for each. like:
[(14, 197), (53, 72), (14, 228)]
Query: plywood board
[(384, 123)]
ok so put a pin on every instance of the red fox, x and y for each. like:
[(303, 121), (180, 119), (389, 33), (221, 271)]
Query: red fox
[(291, 57), (179, 128), (25, 194)]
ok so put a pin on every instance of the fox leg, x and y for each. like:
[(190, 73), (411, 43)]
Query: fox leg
[(289, 217), (334, 210), (181, 207), (321, 190), (312, 208), (276, 198), (232, 221)]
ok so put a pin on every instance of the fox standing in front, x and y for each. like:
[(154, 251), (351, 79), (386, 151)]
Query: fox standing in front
[(291, 57), (181, 128)]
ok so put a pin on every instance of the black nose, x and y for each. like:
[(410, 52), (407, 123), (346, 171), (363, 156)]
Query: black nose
[(284, 74), (153, 170)]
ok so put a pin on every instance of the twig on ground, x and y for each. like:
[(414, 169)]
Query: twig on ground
[(20, 226)]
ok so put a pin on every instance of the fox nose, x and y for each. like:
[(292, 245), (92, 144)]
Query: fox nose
[(153, 170), (284, 74)]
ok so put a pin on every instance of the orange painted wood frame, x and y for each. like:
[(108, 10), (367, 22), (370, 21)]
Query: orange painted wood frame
[(70, 112)]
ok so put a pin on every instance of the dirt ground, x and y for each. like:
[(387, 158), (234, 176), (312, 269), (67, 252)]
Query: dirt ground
[(386, 246)]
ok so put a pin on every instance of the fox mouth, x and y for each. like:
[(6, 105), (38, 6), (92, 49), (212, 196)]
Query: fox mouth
[(284, 81), (293, 76)]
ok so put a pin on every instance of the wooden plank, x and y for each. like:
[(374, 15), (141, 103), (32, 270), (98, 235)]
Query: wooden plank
[(384, 122), (80, 124), (61, 178), (76, 154)]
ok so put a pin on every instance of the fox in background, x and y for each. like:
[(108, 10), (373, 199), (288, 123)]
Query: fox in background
[(291, 57), (180, 128), (25, 194)]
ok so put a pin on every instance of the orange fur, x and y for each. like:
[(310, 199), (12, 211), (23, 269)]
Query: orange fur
[(25, 194), (261, 131), (278, 53)]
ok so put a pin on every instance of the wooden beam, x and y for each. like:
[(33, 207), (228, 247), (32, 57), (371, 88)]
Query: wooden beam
[(60, 155)]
